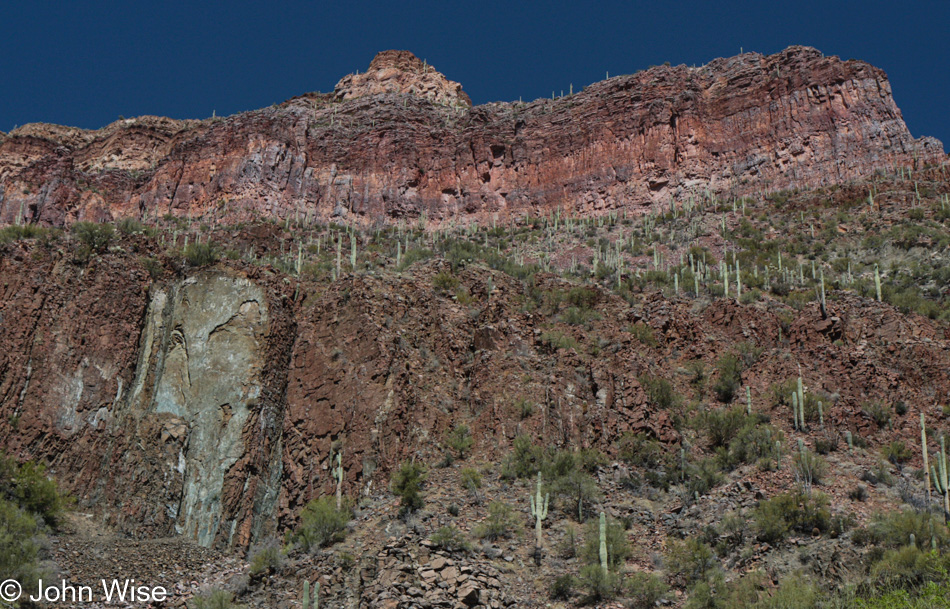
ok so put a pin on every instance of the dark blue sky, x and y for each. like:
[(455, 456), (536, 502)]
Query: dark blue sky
[(87, 63)]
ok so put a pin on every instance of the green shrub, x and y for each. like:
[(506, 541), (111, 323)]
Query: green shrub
[(9, 234), (215, 599), (201, 254), (444, 282), (265, 557), (897, 453), (562, 588), (643, 333), (598, 585), (558, 340), (450, 539), (702, 476), (909, 568), (579, 490), (500, 522), (96, 237), (27, 485), (730, 373), (18, 547), (809, 467), (644, 590), (893, 529), (321, 524), (460, 440), (407, 485), (130, 226), (690, 561), (641, 450), (659, 392), (792, 511), (470, 480), (525, 460), (723, 425)]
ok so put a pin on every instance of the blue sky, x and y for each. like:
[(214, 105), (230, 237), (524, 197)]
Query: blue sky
[(87, 63)]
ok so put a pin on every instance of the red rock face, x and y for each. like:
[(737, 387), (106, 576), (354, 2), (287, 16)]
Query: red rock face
[(400, 141)]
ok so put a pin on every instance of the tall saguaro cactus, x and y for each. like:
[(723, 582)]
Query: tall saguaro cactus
[(539, 509), (338, 476), (923, 449), (940, 478), (603, 542)]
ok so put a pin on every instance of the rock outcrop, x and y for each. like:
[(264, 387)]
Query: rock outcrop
[(402, 72), (400, 142)]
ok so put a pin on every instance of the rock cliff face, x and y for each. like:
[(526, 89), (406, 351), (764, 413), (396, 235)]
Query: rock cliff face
[(400, 141)]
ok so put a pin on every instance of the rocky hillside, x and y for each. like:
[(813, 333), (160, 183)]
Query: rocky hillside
[(401, 141), (286, 306)]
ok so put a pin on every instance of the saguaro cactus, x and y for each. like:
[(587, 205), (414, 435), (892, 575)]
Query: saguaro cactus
[(306, 595), (923, 449), (539, 509), (603, 542), (940, 478), (877, 282), (338, 476)]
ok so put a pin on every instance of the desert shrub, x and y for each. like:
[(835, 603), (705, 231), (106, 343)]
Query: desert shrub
[(659, 391), (406, 484), (893, 529), (321, 524), (152, 266), (215, 599), (641, 450), (23, 231), (690, 561), (451, 539), (702, 476), (265, 557), (618, 548), (18, 548), (909, 567), (579, 317), (524, 408), (578, 489), (793, 511), (643, 333), (730, 373), (95, 237), (753, 443), (897, 453), (500, 522), (581, 297), (470, 480), (460, 440), (558, 340), (525, 460), (598, 585), (130, 226), (28, 487), (444, 282), (201, 254), (877, 412), (809, 467), (645, 590), (562, 588), (723, 425)]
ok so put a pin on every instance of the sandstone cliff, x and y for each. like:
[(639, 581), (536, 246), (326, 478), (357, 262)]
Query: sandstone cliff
[(401, 140)]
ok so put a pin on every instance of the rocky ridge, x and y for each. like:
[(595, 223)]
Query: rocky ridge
[(399, 142)]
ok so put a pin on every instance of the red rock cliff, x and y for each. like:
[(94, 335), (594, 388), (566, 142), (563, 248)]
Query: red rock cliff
[(400, 140)]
